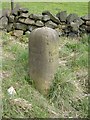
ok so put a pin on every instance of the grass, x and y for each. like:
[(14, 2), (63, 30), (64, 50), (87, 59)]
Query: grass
[(15, 73), (81, 8), (67, 96)]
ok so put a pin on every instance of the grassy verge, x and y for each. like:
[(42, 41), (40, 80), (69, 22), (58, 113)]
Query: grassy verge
[(67, 96), (81, 8)]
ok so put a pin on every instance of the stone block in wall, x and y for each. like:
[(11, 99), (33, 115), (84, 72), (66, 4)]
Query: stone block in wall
[(45, 18), (20, 26), (88, 29), (51, 24), (17, 33), (3, 22), (27, 33), (21, 20), (67, 30), (86, 17), (24, 15), (62, 16), (74, 26), (71, 18), (88, 23), (63, 26), (29, 21), (23, 10), (9, 27), (35, 17), (11, 19), (59, 31), (39, 23), (73, 34), (79, 21), (52, 17), (83, 28), (31, 27)]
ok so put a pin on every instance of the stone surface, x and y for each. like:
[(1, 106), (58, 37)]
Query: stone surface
[(39, 23), (43, 57), (21, 20), (79, 21), (88, 29), (83, 28), (45, 18), (23, 10), (59, 31), (30, 21), (86, 17), (51, 24), (17, 33), (52, 17), (11, 19), (3, 22), (74, 27), (67, 30), (35, 17), (24, 15), (27, 33), (10, 27), (63, 26), (71, 18), (31, 28), (88, 23), (62, 16), (20, 26), (72, 34)]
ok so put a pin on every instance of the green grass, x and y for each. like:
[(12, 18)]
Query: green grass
[(81, 8), (66, 97), (15, 69)]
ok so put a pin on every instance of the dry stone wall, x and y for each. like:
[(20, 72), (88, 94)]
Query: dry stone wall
[(23, 22)]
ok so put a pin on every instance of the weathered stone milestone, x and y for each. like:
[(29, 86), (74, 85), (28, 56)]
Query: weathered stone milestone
[(43, 57)]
